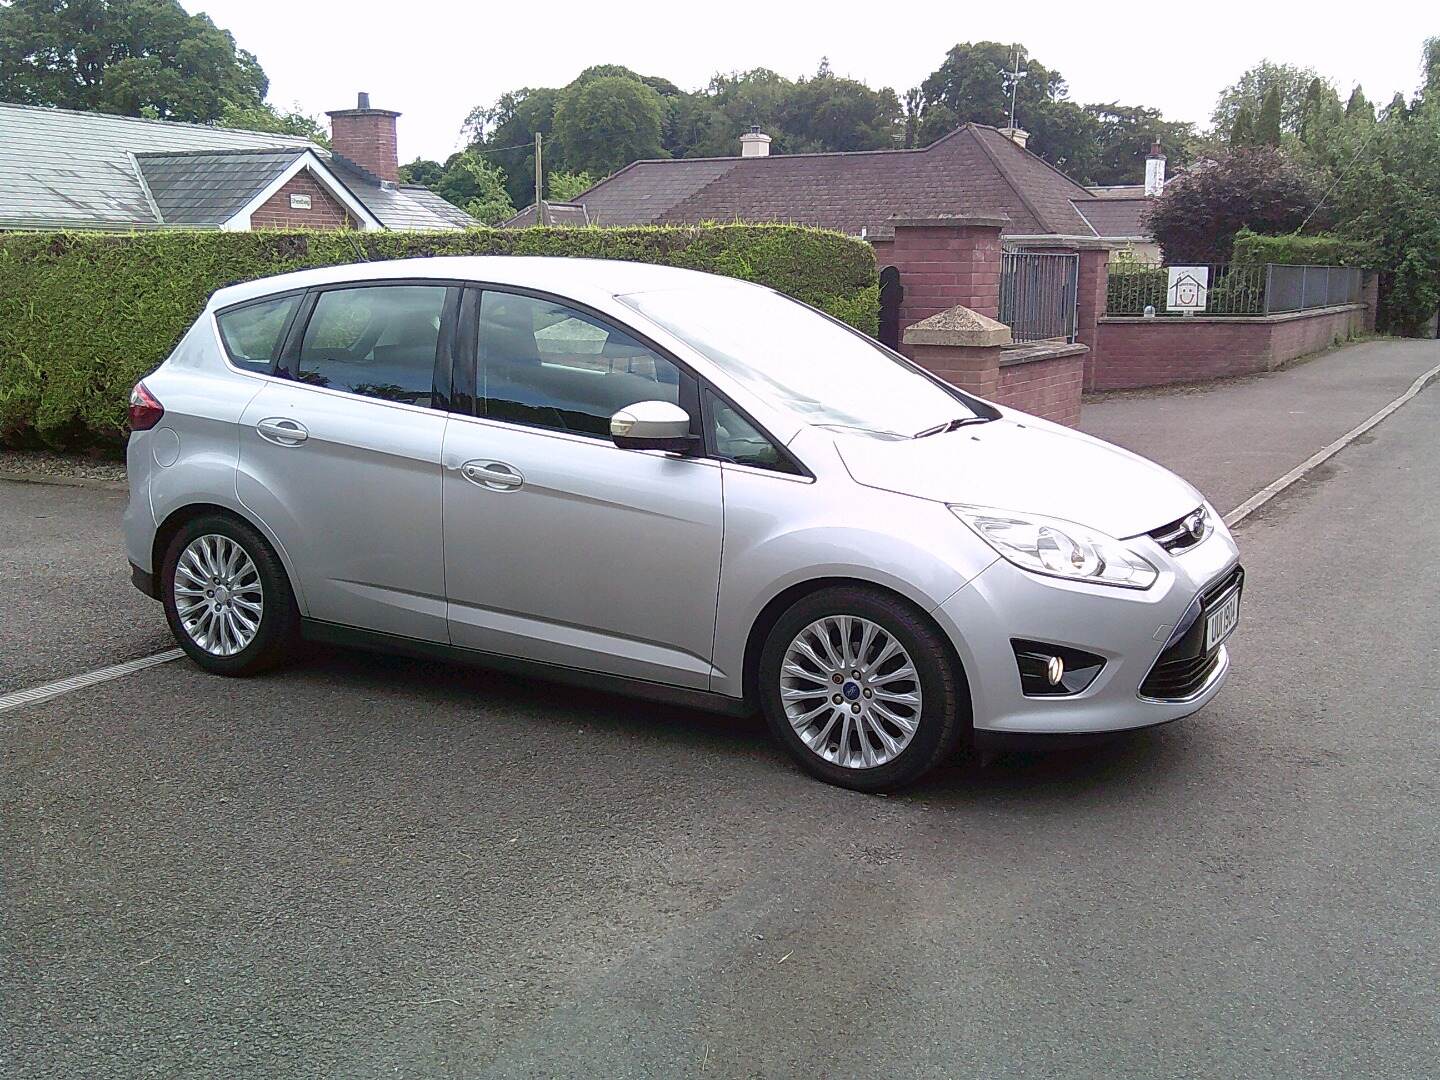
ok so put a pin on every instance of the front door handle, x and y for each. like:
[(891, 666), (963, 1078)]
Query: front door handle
[(282, 431), (495, 475)]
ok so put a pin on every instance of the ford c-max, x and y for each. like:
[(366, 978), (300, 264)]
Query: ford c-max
[(670, 484)]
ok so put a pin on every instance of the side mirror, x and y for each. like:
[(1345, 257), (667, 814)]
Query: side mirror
[(652, 425)]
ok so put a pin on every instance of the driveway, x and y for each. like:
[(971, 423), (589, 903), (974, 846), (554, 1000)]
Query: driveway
[(367, 867)]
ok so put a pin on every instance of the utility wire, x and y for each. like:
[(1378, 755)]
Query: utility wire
[(1343, 173)]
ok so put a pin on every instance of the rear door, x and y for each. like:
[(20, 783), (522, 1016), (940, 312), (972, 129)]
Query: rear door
[(560, 546), (340, 454)]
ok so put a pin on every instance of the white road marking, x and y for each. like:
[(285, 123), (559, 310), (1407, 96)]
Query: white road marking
[(1269, 491), (80, 682), (37, 694)]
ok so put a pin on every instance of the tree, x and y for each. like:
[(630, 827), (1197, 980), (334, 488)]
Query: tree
[(265, 117), (970, 83), (913, 101), (566, 186), (1242, 129), (490, 204), (1122, 137), (506, 131), (130, 57), (1202, 209), (1250, 90), (1267, 124), (603, 124), (422, 171), (827, 112), (1359, 105), (1321, 109)]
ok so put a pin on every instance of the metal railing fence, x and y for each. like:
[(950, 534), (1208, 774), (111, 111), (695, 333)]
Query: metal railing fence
[(1234, 289)]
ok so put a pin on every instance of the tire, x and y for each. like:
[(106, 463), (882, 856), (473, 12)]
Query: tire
[(232, 647), (896, 759)]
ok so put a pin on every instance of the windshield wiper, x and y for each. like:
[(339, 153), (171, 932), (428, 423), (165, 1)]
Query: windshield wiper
[(953, 425)]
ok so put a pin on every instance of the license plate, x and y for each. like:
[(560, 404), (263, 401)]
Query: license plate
[(1221, 622)]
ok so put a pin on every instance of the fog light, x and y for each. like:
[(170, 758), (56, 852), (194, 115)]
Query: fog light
[(1048, 670)]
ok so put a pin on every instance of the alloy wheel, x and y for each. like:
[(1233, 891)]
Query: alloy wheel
[(851, 692), (218, 595)]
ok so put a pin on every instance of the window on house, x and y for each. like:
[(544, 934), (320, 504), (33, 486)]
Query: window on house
[(547, 365), (254, 334), (377, 341)]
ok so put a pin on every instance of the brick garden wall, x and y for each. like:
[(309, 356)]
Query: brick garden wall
[(1049, 386), (326, 212), (1136, 352)]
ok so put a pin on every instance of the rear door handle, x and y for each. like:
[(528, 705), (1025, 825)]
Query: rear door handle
[(495, 475), (282, 431)]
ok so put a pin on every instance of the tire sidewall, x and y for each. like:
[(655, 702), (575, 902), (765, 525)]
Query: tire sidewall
[(942, 720), (277, 617)]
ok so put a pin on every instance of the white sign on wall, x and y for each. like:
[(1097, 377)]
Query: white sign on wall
[(1189, 287), (299, 202)]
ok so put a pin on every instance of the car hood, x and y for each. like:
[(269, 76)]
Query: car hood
[(1025, 464)]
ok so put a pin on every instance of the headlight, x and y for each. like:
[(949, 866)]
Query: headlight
[(1058, 548)]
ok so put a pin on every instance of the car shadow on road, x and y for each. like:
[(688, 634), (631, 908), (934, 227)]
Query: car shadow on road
[(1142, 760)]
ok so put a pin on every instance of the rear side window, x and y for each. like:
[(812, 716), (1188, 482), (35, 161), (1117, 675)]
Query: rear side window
[(376, 341), (253, 334)]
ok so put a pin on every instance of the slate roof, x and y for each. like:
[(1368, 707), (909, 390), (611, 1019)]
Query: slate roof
[(973, 170), (1114, 216), (556, 213), (200, 188), (73, 170)]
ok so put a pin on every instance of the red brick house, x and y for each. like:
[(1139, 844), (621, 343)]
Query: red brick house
[(73, 170), (974, 170)]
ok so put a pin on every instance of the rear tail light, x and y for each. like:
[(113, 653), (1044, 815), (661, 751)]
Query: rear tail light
[(145, 409)]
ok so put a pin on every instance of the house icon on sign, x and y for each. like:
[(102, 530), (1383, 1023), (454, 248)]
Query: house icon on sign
[(1188, 287)]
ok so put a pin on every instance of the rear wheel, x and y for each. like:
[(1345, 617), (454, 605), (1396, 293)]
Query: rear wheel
[(862, 689), (227, 598)]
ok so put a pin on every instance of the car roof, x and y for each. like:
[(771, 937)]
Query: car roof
[(580, 279)]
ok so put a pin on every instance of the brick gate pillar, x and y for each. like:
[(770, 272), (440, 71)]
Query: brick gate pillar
[(947, 261), (1094, 279)]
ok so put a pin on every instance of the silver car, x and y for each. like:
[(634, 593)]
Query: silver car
[(669, 484)]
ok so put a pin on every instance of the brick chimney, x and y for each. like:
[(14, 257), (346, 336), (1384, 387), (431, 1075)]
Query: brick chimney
[(1019, 136), (1155, 171), (754, 143), (366, 136)]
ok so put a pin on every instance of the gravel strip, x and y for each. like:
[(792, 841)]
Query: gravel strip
[(44, 465)]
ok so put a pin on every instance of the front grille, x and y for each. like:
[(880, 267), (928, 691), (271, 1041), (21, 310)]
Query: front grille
[(1183, 667), (1176, 536), (1179, 678)]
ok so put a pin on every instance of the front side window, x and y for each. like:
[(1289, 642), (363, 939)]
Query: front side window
[(377, 341), (736, 439), (546, 365), (254, 334), (821, 371)]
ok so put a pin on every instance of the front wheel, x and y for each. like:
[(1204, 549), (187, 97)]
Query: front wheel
[(226, 596), (862, 689)]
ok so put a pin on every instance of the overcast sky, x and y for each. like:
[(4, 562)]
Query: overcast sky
[(433, 60)]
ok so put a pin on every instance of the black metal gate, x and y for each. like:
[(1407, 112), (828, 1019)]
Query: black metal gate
[(1038, 293), (891, 293)]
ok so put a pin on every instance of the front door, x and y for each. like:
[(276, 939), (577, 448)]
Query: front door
[(559, 546), (341, 461)]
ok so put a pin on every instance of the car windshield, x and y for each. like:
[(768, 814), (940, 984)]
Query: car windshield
[(817, 368)]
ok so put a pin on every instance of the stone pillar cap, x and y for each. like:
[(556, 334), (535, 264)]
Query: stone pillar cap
[(958, 327)]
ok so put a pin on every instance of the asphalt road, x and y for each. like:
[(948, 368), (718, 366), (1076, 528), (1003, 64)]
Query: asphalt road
[(364, 867), (1233, 437)]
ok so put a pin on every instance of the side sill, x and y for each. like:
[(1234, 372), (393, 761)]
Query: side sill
[(327, 633)]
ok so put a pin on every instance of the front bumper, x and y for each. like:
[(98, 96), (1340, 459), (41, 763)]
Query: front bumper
[(1129, 628)]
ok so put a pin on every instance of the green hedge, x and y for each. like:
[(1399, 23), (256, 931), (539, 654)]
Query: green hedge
[(1319, 250), (85, 315)]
